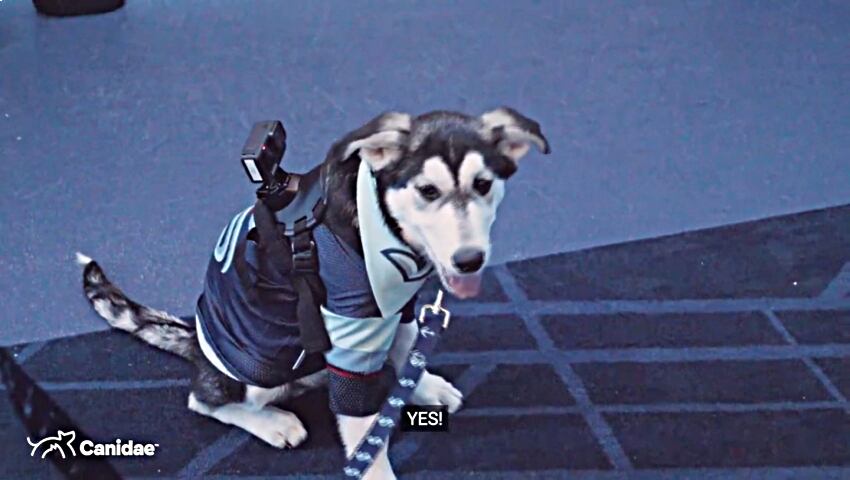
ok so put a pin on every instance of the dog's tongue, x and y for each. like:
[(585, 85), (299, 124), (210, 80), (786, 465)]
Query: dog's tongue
[(465, 286)]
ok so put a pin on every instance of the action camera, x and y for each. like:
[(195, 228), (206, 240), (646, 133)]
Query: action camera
[(261, 157), (263, 152)]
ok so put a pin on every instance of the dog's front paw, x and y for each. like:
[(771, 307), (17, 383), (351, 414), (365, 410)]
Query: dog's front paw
[(436, 390), (280, 428)]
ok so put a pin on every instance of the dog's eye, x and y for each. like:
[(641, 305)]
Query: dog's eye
[(482, 185), (429, 192)]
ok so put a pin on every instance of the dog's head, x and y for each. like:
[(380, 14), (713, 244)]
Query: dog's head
[(441, 177)]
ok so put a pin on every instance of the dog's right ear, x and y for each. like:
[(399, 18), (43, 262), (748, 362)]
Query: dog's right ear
[(513, 132), (379, 143)]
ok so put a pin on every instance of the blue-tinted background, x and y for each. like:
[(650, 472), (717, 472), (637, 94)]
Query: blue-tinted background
[(599, 348), (120, 133)]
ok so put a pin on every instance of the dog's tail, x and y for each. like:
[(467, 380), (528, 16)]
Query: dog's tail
[(157, 328)]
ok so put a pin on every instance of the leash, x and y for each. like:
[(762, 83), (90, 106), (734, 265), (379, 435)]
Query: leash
[(433, 320)]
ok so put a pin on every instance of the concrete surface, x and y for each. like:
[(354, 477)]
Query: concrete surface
[(119, 133)]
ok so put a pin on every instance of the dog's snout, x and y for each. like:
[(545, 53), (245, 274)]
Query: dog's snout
[(468, 260)]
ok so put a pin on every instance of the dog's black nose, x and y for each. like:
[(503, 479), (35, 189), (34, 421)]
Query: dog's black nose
[(468, 260)]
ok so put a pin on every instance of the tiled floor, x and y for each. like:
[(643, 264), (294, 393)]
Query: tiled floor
[(722, 353), (663, 117)]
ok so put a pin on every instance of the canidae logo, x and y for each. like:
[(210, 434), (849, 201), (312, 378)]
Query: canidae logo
[(63, 443)]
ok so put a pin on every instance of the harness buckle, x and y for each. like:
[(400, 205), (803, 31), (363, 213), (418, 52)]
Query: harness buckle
[(436, 308), (304, 258), (303, 248)]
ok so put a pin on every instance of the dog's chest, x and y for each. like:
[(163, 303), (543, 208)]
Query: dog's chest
[(343, 272)]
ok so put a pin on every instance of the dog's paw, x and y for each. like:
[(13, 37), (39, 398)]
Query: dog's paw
[(279, 428), (436, 390)]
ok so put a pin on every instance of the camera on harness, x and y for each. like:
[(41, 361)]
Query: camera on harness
[(261, 158), (288, 207)]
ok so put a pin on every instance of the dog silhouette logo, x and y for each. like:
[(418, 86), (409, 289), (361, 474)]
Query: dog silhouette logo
[(411, 267), (61, 443)]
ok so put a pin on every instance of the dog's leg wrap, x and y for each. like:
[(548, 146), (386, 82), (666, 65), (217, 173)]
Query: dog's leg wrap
[(358, 376), (356, 400), (358, 394)]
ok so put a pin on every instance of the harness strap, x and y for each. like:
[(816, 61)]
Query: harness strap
[(304, 273), (311, 291), (274, 257), (433, 320)]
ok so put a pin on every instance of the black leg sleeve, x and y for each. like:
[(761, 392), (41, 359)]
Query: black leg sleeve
[(358, 394)]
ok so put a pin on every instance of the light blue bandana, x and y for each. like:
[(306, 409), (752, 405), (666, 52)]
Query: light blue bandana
[(395, 275), (395, 272)]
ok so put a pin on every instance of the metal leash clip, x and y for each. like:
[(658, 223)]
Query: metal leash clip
[(436, 308)]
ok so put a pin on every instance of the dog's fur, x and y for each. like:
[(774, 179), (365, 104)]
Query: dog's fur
[(440, 179)]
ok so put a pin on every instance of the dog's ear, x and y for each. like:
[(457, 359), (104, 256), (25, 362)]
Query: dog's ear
[(512, 132), (380, 142)]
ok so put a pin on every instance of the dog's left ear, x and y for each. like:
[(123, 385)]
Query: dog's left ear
[(380, 142), (512, 132)]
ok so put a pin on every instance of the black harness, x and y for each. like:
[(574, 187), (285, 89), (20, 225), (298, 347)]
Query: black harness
[(284, 233)]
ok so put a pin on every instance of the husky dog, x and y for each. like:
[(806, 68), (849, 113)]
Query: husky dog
[(437, 181)]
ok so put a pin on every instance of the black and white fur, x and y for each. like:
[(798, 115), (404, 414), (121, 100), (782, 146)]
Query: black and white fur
[(440, 178)]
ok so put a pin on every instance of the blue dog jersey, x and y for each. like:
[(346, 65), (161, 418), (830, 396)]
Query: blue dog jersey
[(256, 340), (252, 333)]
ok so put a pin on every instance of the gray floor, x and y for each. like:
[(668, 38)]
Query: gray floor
[(738, 370), (119, 133)]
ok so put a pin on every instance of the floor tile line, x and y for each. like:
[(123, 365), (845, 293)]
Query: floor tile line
[(830, 387), (648, 355), (467, 382), (598, 426), (655, 408), (723, 407), (525, 357), (777, 325), (813, 367), (29, 351), (839, 287), (472, 377), (597, 423), (521, 411), (212, 454), (605, 307), (116, 384), (686, 473)]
